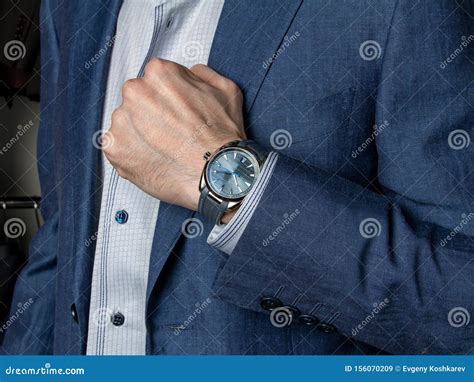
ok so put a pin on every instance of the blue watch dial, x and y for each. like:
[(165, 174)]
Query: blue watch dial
[(232, 173)]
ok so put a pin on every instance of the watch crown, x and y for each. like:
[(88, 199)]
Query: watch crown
[(207, 155)]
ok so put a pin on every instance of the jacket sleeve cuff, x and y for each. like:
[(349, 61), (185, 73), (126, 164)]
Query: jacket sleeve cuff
[(226, 236)]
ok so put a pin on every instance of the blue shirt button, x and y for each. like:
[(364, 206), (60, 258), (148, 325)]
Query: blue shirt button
[(121, 216)]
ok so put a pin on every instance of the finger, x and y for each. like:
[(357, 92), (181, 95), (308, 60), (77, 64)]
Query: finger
[(208, 75)]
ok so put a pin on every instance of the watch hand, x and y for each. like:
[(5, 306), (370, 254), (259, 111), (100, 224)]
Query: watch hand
[(235, 179)]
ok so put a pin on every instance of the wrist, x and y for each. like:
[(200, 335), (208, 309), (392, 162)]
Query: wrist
[(227, 217)]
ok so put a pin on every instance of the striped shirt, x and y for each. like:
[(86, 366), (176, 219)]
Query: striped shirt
[(180, 31)]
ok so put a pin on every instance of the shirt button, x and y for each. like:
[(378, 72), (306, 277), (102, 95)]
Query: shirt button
[(121, 216), (169, 22), (118, 319)]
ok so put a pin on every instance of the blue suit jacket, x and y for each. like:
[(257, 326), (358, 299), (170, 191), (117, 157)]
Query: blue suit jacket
[(352, 64)]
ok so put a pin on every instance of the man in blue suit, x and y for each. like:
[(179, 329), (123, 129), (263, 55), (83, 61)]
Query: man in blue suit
[(253, 177)]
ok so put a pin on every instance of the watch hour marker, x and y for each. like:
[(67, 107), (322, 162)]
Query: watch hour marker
[(233, 174)]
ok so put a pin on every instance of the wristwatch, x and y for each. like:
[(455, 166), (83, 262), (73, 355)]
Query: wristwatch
[(228, 176)]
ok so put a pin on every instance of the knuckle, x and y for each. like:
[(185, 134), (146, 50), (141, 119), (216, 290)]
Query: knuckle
[(154, 66), (196, 67), (121, 172), (131, 88), (118, 117), (231, 87)]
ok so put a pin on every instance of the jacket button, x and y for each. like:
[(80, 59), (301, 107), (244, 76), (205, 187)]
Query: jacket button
[(74, 313), (118, 319), (325, 328), (308, 319), (295, 312), (270, 303)]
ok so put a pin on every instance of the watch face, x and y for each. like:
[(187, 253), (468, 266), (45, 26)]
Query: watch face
[(232, 173)]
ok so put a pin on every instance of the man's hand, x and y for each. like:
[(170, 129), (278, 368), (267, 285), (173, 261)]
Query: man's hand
[(167, 121)]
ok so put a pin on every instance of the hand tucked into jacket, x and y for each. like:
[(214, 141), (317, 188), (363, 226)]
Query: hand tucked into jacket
[(166, 123)]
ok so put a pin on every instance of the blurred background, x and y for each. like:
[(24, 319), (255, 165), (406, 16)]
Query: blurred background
[(19, 121)]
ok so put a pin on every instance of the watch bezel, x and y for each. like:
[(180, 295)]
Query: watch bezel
[(205, 182)]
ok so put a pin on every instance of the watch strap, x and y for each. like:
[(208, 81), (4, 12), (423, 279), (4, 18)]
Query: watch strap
[(214, 208), (210, 207), (259, 151)]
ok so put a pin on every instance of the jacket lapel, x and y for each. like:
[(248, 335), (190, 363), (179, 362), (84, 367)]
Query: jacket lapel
[(93, 27), (248, 34)]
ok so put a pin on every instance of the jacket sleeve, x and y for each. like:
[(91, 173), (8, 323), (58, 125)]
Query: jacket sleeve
[(30, 329), (390, 263)]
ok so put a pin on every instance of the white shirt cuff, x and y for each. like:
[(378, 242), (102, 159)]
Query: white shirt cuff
[(226, 236)]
